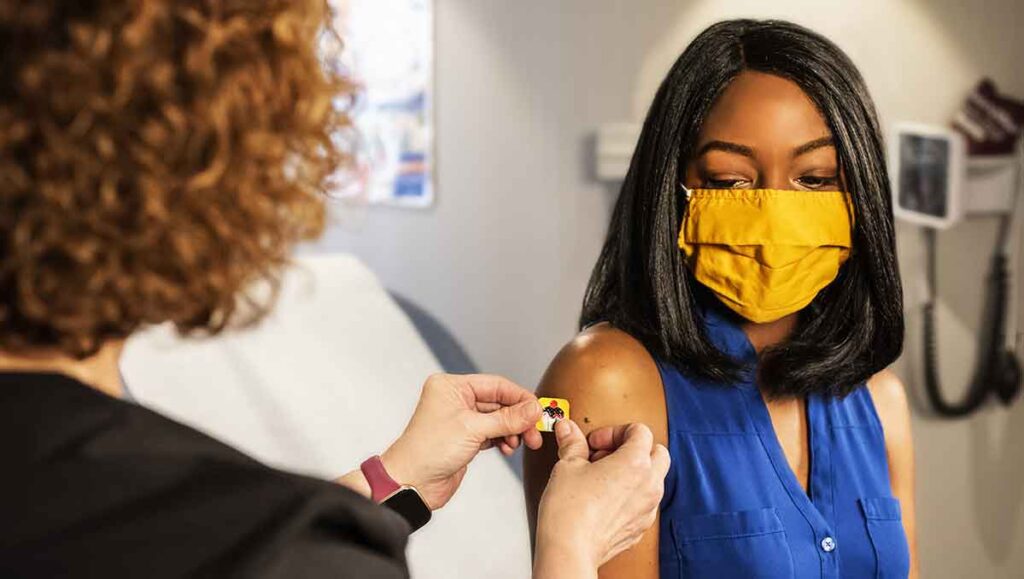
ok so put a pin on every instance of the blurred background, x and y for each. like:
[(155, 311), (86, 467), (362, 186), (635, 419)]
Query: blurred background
[(503, 256)]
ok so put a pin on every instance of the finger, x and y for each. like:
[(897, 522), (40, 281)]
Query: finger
[(512, 441), (488, 388), (506, 449), (637, 436), (596, 456), (506, 421), (488, 406), (571, 442), (660, 461), (637, 443), (533, 439), (608, 437)]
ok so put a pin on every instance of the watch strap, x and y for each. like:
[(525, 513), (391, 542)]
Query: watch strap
[(381, 484)]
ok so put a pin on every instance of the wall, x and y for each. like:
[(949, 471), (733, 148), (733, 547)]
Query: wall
[(504, 256)]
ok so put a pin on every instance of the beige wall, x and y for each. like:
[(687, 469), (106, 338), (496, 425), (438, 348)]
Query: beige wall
[(504, 256)]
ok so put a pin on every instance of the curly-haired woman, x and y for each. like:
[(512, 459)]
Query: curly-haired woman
[(158, 161)]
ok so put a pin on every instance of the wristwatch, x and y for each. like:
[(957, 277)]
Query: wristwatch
[(403, 499)]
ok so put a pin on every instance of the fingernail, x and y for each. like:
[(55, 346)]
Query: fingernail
[(561, 429)]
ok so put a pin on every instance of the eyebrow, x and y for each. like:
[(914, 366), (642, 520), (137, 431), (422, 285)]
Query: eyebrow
[(746, 151), (727, 147), (812, 146)]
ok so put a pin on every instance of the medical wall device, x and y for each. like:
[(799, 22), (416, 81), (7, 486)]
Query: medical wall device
[(941, 176), (927, 166)]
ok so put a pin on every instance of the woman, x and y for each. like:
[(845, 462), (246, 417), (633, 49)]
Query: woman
[(745, 306), (158, 161)]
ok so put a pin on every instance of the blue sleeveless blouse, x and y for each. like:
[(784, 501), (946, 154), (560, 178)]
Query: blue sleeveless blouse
[(733, 506)]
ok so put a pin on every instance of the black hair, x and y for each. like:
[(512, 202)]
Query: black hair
[(641, 284)]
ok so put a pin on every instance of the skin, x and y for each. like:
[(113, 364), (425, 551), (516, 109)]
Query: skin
[(763, 132)]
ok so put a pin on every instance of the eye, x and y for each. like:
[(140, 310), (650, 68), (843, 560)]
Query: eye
[(819, 182), (725, 183)]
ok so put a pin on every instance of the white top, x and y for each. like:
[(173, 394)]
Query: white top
[(327, 380)]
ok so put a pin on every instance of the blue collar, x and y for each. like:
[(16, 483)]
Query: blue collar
[(725, 332)]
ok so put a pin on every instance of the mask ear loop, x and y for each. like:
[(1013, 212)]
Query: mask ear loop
[(686, 210), (687, 192)]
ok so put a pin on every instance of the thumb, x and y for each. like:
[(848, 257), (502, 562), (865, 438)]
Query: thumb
[(571, 442), (508, 420)]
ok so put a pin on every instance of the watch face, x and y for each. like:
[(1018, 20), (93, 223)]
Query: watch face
[(408, 503)]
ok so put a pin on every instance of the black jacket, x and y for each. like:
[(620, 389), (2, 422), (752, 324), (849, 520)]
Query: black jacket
[(92, 486)]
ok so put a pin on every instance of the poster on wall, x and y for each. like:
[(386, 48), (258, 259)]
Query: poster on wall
[(386, 52)]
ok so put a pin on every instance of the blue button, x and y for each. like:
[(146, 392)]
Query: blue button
[(828, 544)]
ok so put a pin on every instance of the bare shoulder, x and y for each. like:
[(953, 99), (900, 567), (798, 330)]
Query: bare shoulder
[(890, 398), (609, 377)]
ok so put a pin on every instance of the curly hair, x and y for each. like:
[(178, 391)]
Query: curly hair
[(159, 159)]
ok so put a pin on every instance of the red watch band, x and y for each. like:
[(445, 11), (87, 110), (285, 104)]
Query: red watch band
[(381, 484)]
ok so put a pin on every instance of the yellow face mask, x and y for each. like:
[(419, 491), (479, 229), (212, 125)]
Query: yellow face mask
[(766, 253)]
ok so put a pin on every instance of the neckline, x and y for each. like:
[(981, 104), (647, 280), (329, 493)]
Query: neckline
[(729, 337), (38, 380), (817, 493), (21, 375), (768, 430), (732, 340)]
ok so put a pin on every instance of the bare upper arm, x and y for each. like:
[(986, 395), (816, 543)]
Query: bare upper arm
[(892, 404), (609, 378), (890, 398)]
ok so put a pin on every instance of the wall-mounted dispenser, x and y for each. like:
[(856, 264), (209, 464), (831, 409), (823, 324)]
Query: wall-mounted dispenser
[(941, 176)]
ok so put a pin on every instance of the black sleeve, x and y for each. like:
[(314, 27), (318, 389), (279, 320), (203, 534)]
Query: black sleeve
[(169, 519), (318, 552), (330, 532), (95, 487)]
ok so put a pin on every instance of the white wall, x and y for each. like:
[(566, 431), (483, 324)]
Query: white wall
[(504, 256)]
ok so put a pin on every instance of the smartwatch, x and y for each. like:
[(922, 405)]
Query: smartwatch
[(403, 499)]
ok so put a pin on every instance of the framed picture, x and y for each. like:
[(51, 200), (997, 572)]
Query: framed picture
[(927, 165), (386, 51)]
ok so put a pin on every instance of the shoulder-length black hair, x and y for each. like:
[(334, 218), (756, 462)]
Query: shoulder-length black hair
[(641, 284)]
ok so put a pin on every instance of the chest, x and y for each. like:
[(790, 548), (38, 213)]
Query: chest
[(789, 424), (777, 489)]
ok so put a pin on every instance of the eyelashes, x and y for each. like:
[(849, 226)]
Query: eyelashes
[(723, 183), (819, 182), (811, 182)]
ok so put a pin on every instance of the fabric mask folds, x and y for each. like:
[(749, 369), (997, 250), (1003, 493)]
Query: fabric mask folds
[(766, 253)]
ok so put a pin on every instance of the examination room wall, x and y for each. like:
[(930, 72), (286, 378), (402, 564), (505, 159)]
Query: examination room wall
[(504, 256)]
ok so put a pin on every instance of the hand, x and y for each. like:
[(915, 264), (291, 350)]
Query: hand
[(456, 418), (592, 511)]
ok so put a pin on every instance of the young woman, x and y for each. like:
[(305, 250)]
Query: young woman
[(745, 306)]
